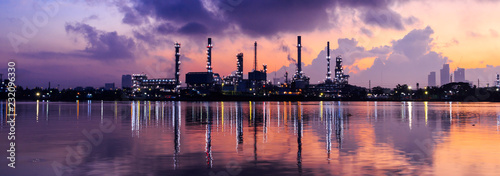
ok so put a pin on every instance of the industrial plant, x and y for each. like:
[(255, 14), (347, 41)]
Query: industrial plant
[(211, 84)]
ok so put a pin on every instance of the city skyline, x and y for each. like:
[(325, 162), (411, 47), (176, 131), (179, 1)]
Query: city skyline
[(384, 43)]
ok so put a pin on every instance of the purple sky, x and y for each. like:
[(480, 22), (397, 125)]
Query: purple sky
[(88, 43)]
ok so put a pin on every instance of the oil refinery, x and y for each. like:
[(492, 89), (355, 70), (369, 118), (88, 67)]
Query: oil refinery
[(211, 85)]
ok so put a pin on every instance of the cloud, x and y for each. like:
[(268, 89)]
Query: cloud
[(409, 58), (411, 20), (103, 45), (255, 18), (100, 45), (193, 28), (89, 18), (414, 44), (131, 16), (367, 32), (384, 18)]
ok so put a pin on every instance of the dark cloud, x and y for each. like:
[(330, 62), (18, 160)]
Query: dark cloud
[(411, 20), (256, 17), (193, 28), (190, 16), (384, 18), (131, 16), (103, 45)]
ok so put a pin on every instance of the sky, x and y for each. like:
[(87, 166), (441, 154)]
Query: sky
[(74, 43)]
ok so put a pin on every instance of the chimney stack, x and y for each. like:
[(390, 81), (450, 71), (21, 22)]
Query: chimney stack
[(209, 55), (328, 73), (177, 63), (255, 61), (299, 60)]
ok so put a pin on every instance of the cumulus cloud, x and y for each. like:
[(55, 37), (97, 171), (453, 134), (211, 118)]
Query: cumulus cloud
[(409, 58)]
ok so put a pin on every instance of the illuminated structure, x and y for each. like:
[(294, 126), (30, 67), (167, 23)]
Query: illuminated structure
[(209, 55), (177, 64), (257, 78), (137, 81), (328, 72), (331, 88), (239, 66), (141, 86), (340, 78), (161, 84), (204, 81), (235, 83), (300, 81)]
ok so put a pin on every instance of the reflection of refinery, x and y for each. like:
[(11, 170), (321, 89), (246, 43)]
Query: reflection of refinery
[(201, 84)]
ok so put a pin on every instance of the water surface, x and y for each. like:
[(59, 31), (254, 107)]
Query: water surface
[(254, 138)]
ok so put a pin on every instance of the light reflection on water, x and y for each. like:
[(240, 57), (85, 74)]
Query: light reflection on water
[(250, 138)]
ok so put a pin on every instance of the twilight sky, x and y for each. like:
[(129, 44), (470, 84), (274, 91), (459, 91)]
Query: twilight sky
[(90, 42)]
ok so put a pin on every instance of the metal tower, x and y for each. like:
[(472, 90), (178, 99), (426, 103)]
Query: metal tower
[(255, 60), (177, 63), (328, 72), (299, 60), (209, 55)]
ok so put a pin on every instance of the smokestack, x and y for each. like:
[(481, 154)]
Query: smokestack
[(255, 62), (177, 63), (328, 73), (209, 55), (299, 61)]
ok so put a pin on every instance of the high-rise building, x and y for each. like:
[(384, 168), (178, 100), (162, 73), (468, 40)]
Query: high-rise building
[(445, 74), (126, 81), (459, 75), (431, 79)]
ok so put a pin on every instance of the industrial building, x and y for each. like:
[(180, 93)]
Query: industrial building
[(235, 84), (257, 78), (332, 88), (300, 80), (204, 82), (209, 83)]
